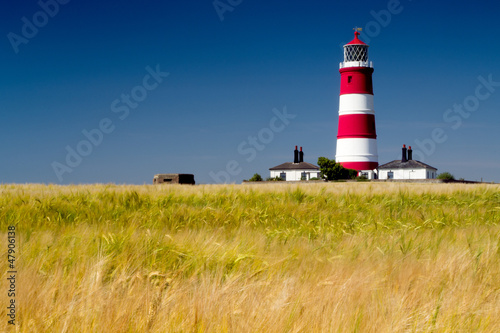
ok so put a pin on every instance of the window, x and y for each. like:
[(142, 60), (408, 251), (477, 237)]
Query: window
[(356, 53), (390, 175), (283, 175), (303, 176), (349, 79)]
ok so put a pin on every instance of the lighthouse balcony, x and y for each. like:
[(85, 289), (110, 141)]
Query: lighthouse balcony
[(356, 64)]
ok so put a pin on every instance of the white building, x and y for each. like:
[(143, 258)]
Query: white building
[(295, 171), (298, 170), (406, 168)]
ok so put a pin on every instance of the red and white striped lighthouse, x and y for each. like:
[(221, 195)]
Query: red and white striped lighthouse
[(357, 138)]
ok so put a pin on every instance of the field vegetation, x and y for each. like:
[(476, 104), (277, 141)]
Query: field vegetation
[(327, 257)]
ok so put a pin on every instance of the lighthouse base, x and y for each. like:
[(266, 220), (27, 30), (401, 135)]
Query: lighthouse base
[(359, 154), (366, 169), (360, 166)]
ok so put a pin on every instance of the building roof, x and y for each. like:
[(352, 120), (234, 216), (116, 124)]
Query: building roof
[(356, 40), (164, 175), (411, 164), (295, 166)]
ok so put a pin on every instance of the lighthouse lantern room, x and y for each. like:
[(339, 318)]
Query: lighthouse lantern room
[(357, 138)]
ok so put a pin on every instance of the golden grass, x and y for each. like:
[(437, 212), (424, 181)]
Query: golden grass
[(336, 257)]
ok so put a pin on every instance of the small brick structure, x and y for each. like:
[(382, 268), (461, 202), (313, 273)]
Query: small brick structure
[(173, 178)]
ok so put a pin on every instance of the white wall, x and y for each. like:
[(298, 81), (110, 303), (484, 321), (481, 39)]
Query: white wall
[(295, 174), (356, 104), (356, 150), (409, 173)]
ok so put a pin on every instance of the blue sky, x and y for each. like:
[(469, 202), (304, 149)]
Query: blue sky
[(436, 82)]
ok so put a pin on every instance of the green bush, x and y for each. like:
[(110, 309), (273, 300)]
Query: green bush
[(446, 176), (362, 178), (256, 178)]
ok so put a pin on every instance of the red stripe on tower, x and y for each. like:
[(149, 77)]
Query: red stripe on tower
[(356, 139), (357, 126), (360, 165), (356, 80)]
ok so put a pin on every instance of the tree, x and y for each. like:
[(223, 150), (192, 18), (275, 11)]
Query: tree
[(446, 176), (255, 178), (326, 167), (334, 171)]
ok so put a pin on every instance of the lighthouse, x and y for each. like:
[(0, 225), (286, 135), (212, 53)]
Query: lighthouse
[(357, 137)]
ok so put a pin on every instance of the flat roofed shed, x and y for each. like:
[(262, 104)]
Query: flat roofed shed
[(174, 178)]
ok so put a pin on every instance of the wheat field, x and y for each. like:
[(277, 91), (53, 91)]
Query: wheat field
[(328, 257)]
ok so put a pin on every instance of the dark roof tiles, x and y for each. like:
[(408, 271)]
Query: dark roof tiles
[(295, 166), (411, 164)]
